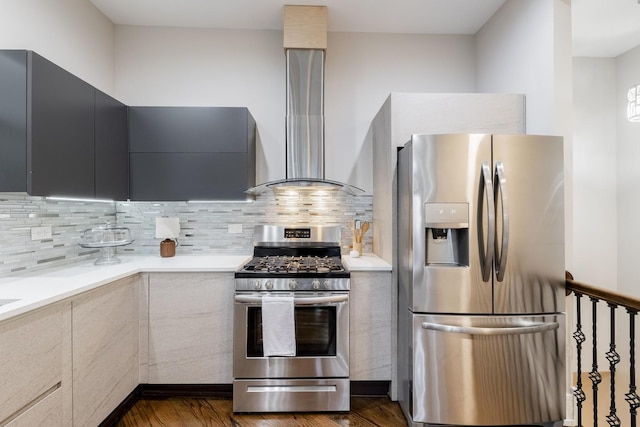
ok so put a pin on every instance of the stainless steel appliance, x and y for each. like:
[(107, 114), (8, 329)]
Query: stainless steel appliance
[(481, 280), (305, 125), (304, 263)]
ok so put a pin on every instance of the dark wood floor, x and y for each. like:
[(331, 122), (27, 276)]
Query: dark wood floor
[(196, 412)]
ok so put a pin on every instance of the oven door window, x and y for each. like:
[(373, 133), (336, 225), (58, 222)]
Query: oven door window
[(315, 331)]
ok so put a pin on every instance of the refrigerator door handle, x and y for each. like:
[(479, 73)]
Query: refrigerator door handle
[(486, 251), (501, 253), (528, 328)]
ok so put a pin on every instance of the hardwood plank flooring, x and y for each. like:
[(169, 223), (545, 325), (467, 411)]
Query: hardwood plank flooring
[(214, 412)]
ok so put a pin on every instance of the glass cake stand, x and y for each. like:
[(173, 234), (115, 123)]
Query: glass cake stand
[(107, 238)]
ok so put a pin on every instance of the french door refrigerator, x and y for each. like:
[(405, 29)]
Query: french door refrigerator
[(481, 280)]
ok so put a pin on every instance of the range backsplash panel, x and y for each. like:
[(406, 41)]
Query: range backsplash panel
[(204, 226)]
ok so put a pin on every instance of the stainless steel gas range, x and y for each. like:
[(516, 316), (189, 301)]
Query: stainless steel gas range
[(300, 267)]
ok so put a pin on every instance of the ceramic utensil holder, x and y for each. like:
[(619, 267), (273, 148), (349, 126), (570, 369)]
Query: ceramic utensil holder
[(357, 246), (167, 248)]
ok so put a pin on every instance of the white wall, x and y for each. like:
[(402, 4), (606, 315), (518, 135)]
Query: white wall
[(628, 175), (71, 33), (363, 69), (203, 67), (594, 171), (526, 48), (177, 66), (606, 197), (515, 54), (606, 173)]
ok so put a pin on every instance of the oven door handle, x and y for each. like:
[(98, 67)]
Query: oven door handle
[(297, 300)]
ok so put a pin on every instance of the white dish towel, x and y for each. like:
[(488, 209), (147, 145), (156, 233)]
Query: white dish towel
[(278, 326)]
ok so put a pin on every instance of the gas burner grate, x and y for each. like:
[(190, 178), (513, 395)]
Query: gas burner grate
[(294, 264)]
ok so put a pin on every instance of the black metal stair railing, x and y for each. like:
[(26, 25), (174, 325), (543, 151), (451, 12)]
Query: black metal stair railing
[(614, 301)]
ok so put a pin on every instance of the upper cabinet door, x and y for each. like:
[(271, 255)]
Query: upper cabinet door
[(111, 148), (189, 129), (191, 153), (60, 120), (13, 120), (59, 136)]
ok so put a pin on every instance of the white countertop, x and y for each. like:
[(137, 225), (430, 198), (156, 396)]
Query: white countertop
[(366, 262), (44, 287), (40, 288)]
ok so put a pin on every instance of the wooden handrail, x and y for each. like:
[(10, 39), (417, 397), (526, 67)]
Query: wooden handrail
[(602, 294)]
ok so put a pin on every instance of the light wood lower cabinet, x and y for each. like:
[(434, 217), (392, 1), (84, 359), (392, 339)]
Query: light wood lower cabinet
[(105, 349), (159, 328), (190, 328), (370, 309), (35, 364), (46, 412)]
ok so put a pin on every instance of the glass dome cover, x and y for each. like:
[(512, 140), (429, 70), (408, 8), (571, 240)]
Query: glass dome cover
[(106, 237)]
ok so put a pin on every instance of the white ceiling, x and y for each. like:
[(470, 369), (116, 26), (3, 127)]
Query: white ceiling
[(394, 16), (605, 28), (600, 27)]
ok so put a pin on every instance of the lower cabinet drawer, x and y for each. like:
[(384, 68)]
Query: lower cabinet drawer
[(46, 412), (31, 358)]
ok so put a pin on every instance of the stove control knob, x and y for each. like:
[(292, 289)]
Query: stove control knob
[(292, 284), (315, 284), (269, 285), (327, 284), (257, 284)]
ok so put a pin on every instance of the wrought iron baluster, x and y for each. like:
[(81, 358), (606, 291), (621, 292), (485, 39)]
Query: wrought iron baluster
[(579, 337), (594, 375), (632, 397), (614, 300), (614, 358)]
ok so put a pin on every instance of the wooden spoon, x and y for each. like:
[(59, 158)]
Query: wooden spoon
[(365, 227)]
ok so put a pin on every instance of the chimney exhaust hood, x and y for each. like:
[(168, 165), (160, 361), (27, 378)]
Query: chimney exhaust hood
[(304, 121)]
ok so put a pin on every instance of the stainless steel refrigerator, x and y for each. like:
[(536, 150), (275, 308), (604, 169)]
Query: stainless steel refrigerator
[(481, 278)]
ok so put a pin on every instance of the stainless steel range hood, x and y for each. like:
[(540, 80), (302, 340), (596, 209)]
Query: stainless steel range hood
[(305, 126)]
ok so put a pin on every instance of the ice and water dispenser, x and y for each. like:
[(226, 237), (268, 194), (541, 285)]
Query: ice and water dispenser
[(447, 234)]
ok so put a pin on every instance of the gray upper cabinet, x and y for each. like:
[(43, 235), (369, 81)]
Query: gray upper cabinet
[(13, 121), (111, 148), (191, 153), (59, 131), (60, 136), (48, 132)]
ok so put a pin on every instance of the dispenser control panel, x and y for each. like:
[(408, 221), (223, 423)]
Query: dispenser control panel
[(446, 215), (446, 235)]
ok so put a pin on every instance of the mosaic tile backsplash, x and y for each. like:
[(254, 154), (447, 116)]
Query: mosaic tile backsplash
[(67, 219), (204, 226)]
